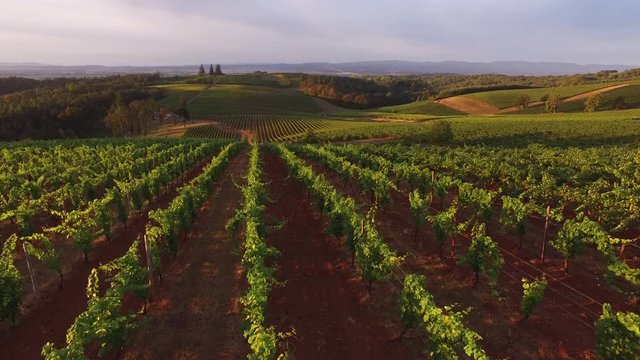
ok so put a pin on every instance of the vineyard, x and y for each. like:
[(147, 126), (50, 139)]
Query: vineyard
[(232, 180), (510, 225), (472, 251), (265, 127), (224, 99), (211, 131), (83, 197)]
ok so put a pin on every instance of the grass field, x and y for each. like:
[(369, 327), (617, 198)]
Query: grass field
[(206, 99), (631, 95), (226, 99), (174, 93), (421, 107), (506, 98)]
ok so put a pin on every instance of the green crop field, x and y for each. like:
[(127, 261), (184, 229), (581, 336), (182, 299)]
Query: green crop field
[(571, 129), (630, 94), (267, 127), (506, 98), (210, 132), (553, 129), (227, 99), (174, 93), (421, 107), (359, 115)]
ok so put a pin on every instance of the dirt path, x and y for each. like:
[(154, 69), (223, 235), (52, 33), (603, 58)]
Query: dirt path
[(195, 313), (468, 105), (49, 318), (589, 94), (321, 299)]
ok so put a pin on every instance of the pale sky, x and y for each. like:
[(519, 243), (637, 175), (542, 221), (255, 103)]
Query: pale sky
[(174, 32)]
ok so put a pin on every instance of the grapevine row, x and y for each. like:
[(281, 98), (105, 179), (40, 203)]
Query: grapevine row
[(610, 327), (84, 225), (263, 340), (268, 127), (103, 321), (514, 211), (377, 183), (447, 333)]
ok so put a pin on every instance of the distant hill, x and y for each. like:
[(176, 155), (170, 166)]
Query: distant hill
[(391, 67), (440, 67)]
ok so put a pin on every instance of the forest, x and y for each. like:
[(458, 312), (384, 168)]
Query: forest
[(67, 108)]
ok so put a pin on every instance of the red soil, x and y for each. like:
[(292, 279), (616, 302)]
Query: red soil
[(321, 298), (561, 329), (195, 311), (48, 318)]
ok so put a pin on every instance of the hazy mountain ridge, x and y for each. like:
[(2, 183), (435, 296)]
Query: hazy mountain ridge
[(390, 67)]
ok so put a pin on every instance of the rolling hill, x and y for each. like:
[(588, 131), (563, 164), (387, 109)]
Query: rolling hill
[(206, 100), (572, 97)]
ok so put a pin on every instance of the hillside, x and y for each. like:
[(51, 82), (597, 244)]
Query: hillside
[(207, 100), (507, 98), (627, 97), (421, 107), (572, 98)]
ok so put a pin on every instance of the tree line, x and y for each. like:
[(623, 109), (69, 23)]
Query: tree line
[(375, 91), (14, 84), (70, 107)]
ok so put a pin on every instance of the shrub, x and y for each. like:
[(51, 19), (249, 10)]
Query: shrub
[(441, 132)]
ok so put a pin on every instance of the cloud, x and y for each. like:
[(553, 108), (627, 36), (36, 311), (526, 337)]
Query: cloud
[(118, 32)]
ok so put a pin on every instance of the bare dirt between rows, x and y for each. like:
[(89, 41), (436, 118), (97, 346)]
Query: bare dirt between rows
[(322, 298), (49, 318), (551, 332), (195, 312)]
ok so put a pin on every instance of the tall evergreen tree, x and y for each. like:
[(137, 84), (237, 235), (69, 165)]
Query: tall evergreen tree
[(218, 70), (201, 70), (211, 69)]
